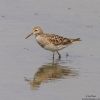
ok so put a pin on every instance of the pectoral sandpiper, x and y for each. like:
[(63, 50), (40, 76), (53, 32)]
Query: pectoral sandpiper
[(51, 42)]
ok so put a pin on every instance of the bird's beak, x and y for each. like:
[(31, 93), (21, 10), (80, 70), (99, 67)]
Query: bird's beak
[(29, 35)]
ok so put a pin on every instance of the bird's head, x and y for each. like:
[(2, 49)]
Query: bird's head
[(36, 31)]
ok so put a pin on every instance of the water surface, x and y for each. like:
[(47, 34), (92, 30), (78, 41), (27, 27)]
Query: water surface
[(27, 71)]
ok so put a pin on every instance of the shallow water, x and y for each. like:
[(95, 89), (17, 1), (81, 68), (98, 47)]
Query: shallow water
[(28, 72), (50, 72)]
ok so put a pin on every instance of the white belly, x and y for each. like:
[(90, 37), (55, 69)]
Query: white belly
[(53, 48)]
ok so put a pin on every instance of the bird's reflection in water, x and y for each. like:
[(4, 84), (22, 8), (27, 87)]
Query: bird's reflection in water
[(50, 71)]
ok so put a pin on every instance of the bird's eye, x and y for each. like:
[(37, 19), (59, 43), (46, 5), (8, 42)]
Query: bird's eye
[(36, 29)]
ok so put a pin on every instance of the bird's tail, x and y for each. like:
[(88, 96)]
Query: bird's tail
[(75, 40)]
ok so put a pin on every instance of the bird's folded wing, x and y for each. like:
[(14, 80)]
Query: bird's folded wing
[(58, 40)]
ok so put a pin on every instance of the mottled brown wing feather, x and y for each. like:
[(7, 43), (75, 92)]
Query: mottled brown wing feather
[(58, 40)]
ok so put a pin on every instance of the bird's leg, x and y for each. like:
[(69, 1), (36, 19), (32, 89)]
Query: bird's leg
[(53, 56), (59, 55)]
